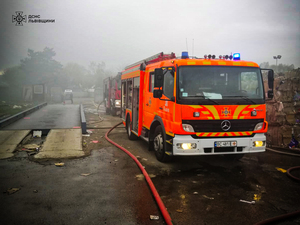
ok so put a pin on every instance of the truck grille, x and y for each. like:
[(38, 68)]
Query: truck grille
[(215, 125)]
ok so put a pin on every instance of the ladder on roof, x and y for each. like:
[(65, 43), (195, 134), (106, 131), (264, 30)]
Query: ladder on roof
[(155, 58)]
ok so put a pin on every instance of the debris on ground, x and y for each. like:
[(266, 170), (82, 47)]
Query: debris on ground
[(195, 193), (140, 177), (11, 191), (249, 202), (179, 210), (30, 147), (35, 191), (144, 159), (59, 164), (153, 217), (152, 175), (37, 133), (211, 198), (256, 197), (89, 131), (85, 174), (281, 170), (95, 142), (85, 135)]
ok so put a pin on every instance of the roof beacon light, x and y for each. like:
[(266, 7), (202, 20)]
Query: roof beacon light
[(236, 56), (185, 55)]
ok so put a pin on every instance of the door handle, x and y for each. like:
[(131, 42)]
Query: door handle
[(161, 108)]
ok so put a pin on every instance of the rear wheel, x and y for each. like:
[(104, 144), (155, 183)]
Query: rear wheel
[(113, 111), (131, 136), (159, 145)]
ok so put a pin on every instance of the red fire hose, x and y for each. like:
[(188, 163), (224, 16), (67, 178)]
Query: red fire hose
[(158, 200)]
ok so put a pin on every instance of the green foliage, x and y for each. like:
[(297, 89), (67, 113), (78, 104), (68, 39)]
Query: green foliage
[(76, 75), (40, 67), (14, 76)]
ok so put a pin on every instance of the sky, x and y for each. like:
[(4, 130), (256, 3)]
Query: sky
[(123, 32)]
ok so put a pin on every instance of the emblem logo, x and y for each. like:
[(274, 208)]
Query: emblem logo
[(225, 125), (19, 18), (226, 112)]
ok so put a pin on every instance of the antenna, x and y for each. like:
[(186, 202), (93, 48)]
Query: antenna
[(193, 48), (186, 45)]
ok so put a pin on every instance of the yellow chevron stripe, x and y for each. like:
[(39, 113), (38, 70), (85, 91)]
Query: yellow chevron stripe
[(205, 112), (245, 112), (196, 106), (206, 63), (222, 63), (213, 110), (253, 106), (210, 118), (238, 110)]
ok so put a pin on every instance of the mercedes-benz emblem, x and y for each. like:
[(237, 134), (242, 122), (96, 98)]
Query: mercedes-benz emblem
[(225, 125)]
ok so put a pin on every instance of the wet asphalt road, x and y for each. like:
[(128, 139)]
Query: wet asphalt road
[(195, 190), (208, 189), (109, 194)]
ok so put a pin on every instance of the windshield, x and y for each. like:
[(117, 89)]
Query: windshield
[(220, 85)]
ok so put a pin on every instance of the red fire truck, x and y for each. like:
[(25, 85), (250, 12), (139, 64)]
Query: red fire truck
[(112, 94), (196, 106)]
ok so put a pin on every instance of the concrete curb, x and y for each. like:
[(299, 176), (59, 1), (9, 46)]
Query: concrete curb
[(20, 115), (82, 119)]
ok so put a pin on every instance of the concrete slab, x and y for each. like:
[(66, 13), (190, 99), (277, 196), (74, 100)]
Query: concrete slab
[(62, 143), (50, 117), (9, 140)]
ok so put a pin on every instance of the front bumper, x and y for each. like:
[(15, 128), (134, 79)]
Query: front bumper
[(205, 146)]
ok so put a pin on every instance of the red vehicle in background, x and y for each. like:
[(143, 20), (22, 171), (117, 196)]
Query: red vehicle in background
[(112, 94)]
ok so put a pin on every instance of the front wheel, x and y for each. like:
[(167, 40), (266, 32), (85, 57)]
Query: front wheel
[(159, 145), (131, 136)]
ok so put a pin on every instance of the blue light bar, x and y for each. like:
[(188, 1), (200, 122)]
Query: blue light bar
[(184, 55), (236, 56)]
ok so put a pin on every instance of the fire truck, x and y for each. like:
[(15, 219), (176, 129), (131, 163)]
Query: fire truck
[(190, 106), (112, 94)]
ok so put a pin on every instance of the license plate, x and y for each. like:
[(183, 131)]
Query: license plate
[(225, 143)]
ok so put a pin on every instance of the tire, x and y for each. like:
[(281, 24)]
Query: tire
[(131, 136), (113, 111), (234, 157), (159, 145)]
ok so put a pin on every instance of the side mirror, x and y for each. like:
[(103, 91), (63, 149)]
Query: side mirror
[(157, 93), (271, 79), (158, 78)]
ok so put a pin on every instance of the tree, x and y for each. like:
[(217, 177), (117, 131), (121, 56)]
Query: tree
[(40, 67), (76, 75), (97, 73), (14, 76)]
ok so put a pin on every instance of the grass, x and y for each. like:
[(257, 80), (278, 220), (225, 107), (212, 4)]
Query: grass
[(9, 109)]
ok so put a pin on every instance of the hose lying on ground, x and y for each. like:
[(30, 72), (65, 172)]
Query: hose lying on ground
[(158, 200)]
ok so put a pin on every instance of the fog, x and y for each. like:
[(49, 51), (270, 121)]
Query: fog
[(123, 32)]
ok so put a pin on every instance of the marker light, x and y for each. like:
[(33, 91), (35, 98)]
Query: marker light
[(230, 57), (213, 56), (205, 56), (226, 56), (184, 55), (220, 56), (236, 56), (209, 56), (187, 127)]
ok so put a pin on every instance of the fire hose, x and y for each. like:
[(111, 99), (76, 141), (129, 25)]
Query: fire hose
[(158, 200)]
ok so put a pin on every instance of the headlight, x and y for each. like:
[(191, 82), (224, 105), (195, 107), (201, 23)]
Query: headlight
[(186, 146), (259, 126), (258, 143), (188, 128), (117, 102)]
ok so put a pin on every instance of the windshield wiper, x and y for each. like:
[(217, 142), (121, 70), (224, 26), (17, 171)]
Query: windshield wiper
[(203, 97), (243, 97)]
